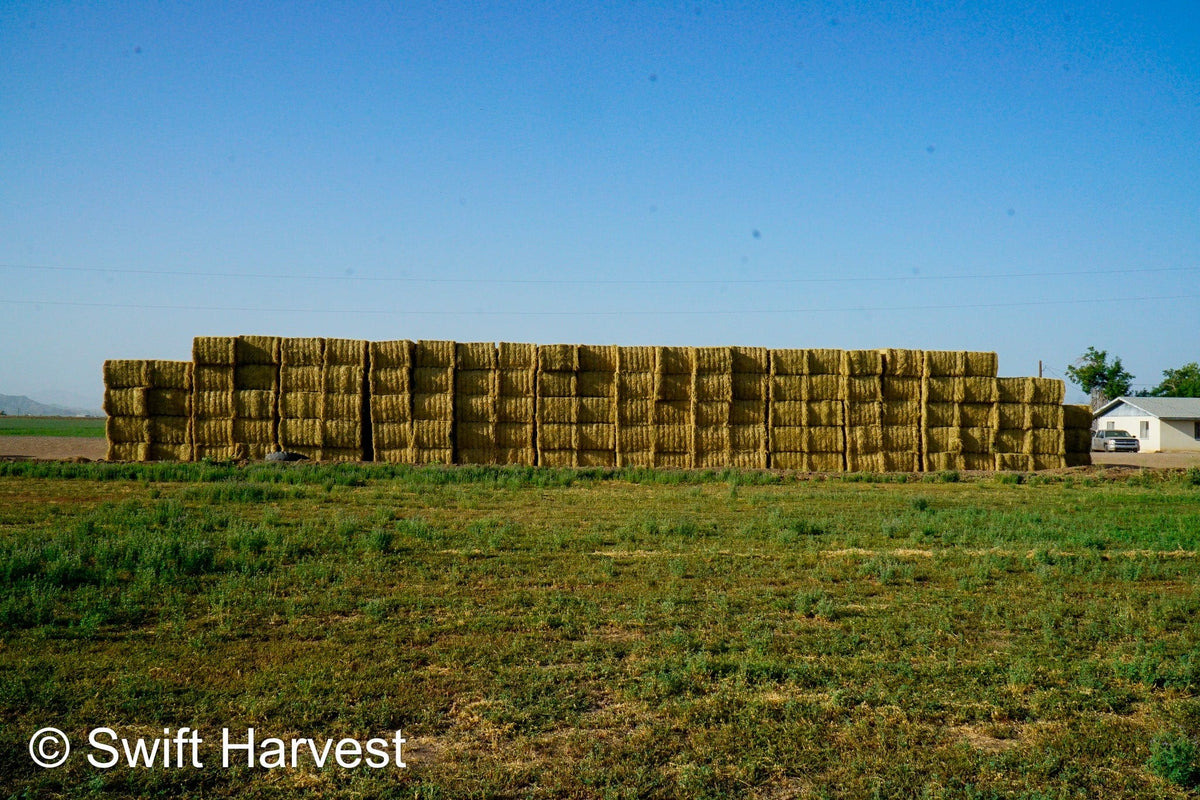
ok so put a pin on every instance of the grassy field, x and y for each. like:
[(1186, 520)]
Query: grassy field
[(52, 426), (541, 633)]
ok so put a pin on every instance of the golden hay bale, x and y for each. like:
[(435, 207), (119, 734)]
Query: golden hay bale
[(943, 364), (212, 404), (903, 363), (391, 435), (556, 384), (213, 350), (261, 350), (301, 351), (212, 432), (476, 356), (432, 407), (1049, 461), (749, 360), (943, 462), (823, 439), (557, 409), (673, 412), (253, 431), (902, 413), (635, 386), (979, 390), (822, 387), (169, 375), (788, 459), (597, 358), (709, 413), (168, 402), (432, 455), (980, 462), (512, 435), (901, 461), (748, 459), (672, 460), (903, 388), (748, 412), (748, 437), (1075, 416), (596, 410), (558, 358), (169, 430), (301, 379), (673, 438), (713, 386), (475, 382), (865, 462), (344, 407), (942, 390), (856, 388), (787, 414), (942, 415), (516, 383), (342, 433), (393, 455), (747, 386), (788, 362), (861, 362), (128, 451), (1044, 441), (789, 388), (672, 386), (597, 437), (864, 438), (711, 459), (1013, 462), (942, 440), (1044, 415), (824, 413), (514, 409), (675, 360), (1012, 415), (899, 439), (1011, 440), (596, 458), (476, 455), (432, 380), (823, 462), (125, 403), (521, 456), (635, 412), (1013, 390), (347, 353), (474, 436), (596, 384), (557, 458), (295, 433), (712, 438), (127, 429), (253, 404), (512, 355), (433, 353), (823, 362), (394, 354), (635, 359), (635, 458), (984, 365), (977, 440), (125, 374), (343, 379), (475, 408), (161, 451), (302, 405), (214, 452), (714, 360), (262, 377), (1077, 440), (556, 436), (859, 414), (1046, 390), (978, 415)]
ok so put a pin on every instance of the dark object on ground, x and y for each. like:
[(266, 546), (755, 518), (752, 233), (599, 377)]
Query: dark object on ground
[(283, 455)]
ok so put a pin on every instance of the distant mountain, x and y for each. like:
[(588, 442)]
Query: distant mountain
[(22, 406)]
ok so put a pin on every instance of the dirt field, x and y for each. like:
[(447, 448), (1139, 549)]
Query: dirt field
[(1148, 460), (53, 447)]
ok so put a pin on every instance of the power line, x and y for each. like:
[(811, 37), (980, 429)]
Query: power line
[(614, 313), (592, 281)]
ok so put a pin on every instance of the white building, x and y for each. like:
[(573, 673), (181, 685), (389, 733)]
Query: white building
[(1161, 424)]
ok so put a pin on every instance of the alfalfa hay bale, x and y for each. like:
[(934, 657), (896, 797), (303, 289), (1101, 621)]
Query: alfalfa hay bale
[(597, 358), (558, 358), (942, 390), (1045, 415), (860, 414), (596, 384), (675, 360), (944, 364), (714, 386), (895, 389), (669, 386), (301, 352), (712, 413), (169, 430), (514, 409), (673, 438), (260, 350), (789, 362), (865, 462), (714, 360), (164, 451), (347, 353), (476, 356), (302, 405), (978, 415), (433, 353), (127, 429), (1014, 390), (1077, 416), (903, 363), (861, 362), (822, 387), (168, 402), (983, 365), (125, 374), (343, 406), (475, 382), (260, 377), (520, 383), (213, 350), (1046, 391), (902, 413), (128, 451), (1013, 462), (556, 384), (295, 434), (596, 410), (125, 403), (635, 359), (254, 404), (432, 380)]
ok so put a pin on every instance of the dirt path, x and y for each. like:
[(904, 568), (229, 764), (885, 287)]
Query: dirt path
[(53, 447), (1147, 460)]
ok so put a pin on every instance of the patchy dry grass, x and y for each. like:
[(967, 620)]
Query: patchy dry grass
[(541, 633)]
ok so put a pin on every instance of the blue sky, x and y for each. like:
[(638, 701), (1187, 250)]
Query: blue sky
[(932, 175)]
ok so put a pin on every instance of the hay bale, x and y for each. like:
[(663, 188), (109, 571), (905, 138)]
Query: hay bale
[(516, 356), (1049, 461), (596, 458), (253, 431), (473, 356), (979, 390), (714, 360), (215, 452), (301, 405), (977, 440), (556, 384), (789, 388), (635, 386), (558, 459), (823, 387), (597, 358), (517, 383), (596, 384), (344, 379), (1012, 415), (301, 351), (1081, 459), (125, 374), (1075, 416), (1013, 462), (635, 359), (475, 436), (128, 451), (857, 389), (596, 437), (670, 386), (942, 390), (347, 407), (169, 375), (558, 358), (1044, 415), (944, 462), (942, 440), (213, 350), (750, 386), (859, 414), (596, 410), (635, 439), (788, 414), (168, 402), (865, 462), (432, 381), (901, 461), (1014, 390), (788, 362), (256, 350), (342, 434), (748, 459), (823, 439), (746, 438), (212, 432), (672, 438), (979, 462), (261, 377), (212, 404), (713, 386), (433, 408), (1046, 391), (301, 379), (514, 436), (254, 404), (899, 439), (296, 434), (427, 353), (125, 402), (823, 462), (942, 415), (900, 389), (519, 456), (475, 382), (169, 430), (663, 460), (341, 454), (903, 363), (823, 362), (347, 353), (943, 364), (864, 439), (475, 408), (984, 365), (901, 413), (635, 412), (749, 360), (127, 429), (712, 413), (978, 415), (748, 412), (514, 409), (673, 412), (789, 460), (396, 354), (675, 361), (1045, 441), (556, 436), (162, 451), (1077, 440), (861, 363), (1011, 440), (557, 410)]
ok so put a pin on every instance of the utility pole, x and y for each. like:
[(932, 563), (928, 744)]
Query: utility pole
[(1039, 368)]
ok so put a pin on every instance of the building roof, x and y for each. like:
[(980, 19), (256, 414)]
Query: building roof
[(1161, 407)]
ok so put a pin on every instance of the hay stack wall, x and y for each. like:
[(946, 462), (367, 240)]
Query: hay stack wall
[(345, 418), (148, 404), (390, 386), (635, 406), (674, 407), (861, 389), (213, 398), (302, 396), (476, 402), (433, 402), (255, 396), (806, 416), (1077, 435), (900, 412), (516, 421), (557, 405), (958, 426)]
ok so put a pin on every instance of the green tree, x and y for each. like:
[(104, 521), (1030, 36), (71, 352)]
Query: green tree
[(1101, 379), (1182, 382)]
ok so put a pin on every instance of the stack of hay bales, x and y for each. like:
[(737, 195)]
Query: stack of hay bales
[(958, 425), (390, 385), (674, 420), (345, 422), (1077, 432), (148, 404), (255, 396), (558, 405), (1029, 424), (516, 421), (476, 401), (635, 406), (806, 416), (861, 373), (302, 395), (433, 402), (213, 398), (730, 391), (596, 384), (900, 386)]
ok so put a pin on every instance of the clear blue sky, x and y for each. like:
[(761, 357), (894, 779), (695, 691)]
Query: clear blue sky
[(932, 175)]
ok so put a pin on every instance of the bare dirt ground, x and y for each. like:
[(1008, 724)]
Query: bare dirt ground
[(1147, 460), (53, 447)]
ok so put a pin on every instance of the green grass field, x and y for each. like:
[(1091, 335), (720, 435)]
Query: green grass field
[(92, 427), (542, 633)]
